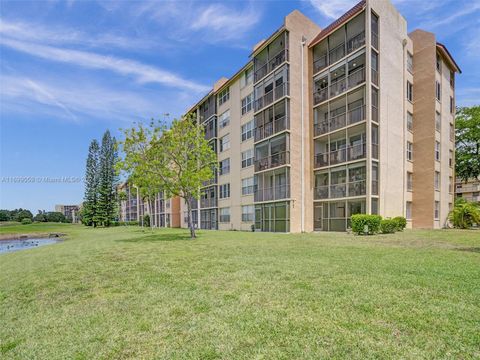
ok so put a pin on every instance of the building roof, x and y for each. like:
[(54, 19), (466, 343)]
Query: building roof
[(337, 23), (446, 54)]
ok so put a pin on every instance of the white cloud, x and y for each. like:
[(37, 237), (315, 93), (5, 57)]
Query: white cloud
[(332, 8), (466, 10), (141, 72)]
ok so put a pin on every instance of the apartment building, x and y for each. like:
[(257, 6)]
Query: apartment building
[(69, 211), (321, 124), (468, 190)]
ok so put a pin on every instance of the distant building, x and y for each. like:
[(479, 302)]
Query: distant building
[(70, 211), (469, 190)]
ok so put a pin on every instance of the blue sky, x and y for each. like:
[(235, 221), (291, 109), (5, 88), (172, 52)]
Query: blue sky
[(69, 70)]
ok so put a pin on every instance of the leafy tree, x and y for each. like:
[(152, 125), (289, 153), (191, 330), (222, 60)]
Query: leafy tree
[(107, 181), (40, 217), (465, 214), (55, 216), (176, 160), (5, 215), (91, 186), (467, 157), (21, 214)]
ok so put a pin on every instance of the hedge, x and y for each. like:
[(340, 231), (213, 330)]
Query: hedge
[(401, 222), (362, 222), (388, 226)]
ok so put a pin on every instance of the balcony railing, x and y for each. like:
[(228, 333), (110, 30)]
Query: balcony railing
[(339, 156), (354, 188), (210, 133), (320, 63), (208, 203), (272, 64), (273, 161), (271, 128), (356, 42), (341, 120), (273, 193), (273, 95), (340, 86), (337, 53)]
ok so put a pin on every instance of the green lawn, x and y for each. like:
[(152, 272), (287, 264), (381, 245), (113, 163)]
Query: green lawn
[(125, 293)]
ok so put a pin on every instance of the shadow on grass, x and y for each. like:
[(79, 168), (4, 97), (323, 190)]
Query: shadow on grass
[(158, 237)]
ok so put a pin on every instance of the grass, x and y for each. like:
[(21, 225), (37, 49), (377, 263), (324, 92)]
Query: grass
[(127, 293)]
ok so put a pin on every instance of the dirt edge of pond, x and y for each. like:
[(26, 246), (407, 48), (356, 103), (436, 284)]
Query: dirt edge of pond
[(30, 236)]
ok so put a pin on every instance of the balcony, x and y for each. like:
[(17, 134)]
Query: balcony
[(334, 191), (340, 86), (271, 128), (208, 203), (350, 153), (212, 181), (271, 64), (339, 121), (273, 161), (271, 96), (272, 193), (356, 42)]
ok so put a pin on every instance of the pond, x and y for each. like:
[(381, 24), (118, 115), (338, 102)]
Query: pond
[(23, 244)]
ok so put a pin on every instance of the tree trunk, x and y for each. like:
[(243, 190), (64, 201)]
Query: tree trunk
[(189, 217), (150, 205)]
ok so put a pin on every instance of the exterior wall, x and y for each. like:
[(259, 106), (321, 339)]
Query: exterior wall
[(469, 190)]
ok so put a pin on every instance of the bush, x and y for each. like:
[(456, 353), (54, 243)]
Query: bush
[(388, 226), (360, 221), (465, 214), (146, 220), (401, 223), (26, 221)]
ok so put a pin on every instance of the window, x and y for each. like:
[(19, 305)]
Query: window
[(409, 121), (408, 214), (452, 79), (374, 104), (248, 212), (438, 121), (452, 106), (247, 77), (224, 119), (225, 143), (409, 181), (224, 166), (439, 64), (410, 62), (247, 158), (247, 186), (247, 103), (450, 158), (437, 150), (223, 96), (438, 91), (450, 184), (247, 130), (437, 210), (224, 214), (409, 91), (452, 132), (409, 151), (224, 191), (437, 180)]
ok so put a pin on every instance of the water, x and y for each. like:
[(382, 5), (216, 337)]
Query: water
[(23, 244)]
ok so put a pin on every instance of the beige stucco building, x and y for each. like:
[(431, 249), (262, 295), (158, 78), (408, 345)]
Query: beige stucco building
[(468, 190), (321, 124)]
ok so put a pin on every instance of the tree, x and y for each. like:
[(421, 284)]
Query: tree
[(55, 216), (40, 217), (21, 214), (107, 181), (467, 156), (5, 215), (91, 186), (177, 160), (465, 214)]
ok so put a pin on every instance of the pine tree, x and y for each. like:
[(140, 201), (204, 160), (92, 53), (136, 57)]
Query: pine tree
[(91, 185), (106, 206)]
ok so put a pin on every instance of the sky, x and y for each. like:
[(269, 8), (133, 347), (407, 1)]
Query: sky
[(69, 70)]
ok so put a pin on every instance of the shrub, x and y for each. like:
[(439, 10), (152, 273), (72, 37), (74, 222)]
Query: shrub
[(401, 222), (146, 220), (360, 221), (26, 221), (465, 214), (388, 226)]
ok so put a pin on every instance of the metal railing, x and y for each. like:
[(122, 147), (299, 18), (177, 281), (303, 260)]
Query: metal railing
[(341, 120), (320, 63), (271, 96), (271, 64), (271, 128), (272, 193), (356, 42), (354, 188), (272, 161), (336, 53), (339, 156), (208, 203), (340, 86)]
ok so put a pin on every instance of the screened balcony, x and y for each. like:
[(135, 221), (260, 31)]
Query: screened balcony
[(208, 108), (272, 185), (272, 153), (341, 112), (339, 79), (272, 120), (340, 182), (340, 43), (343, 146), (211, 128), (274, 55), (272, 88), (208, 198)]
